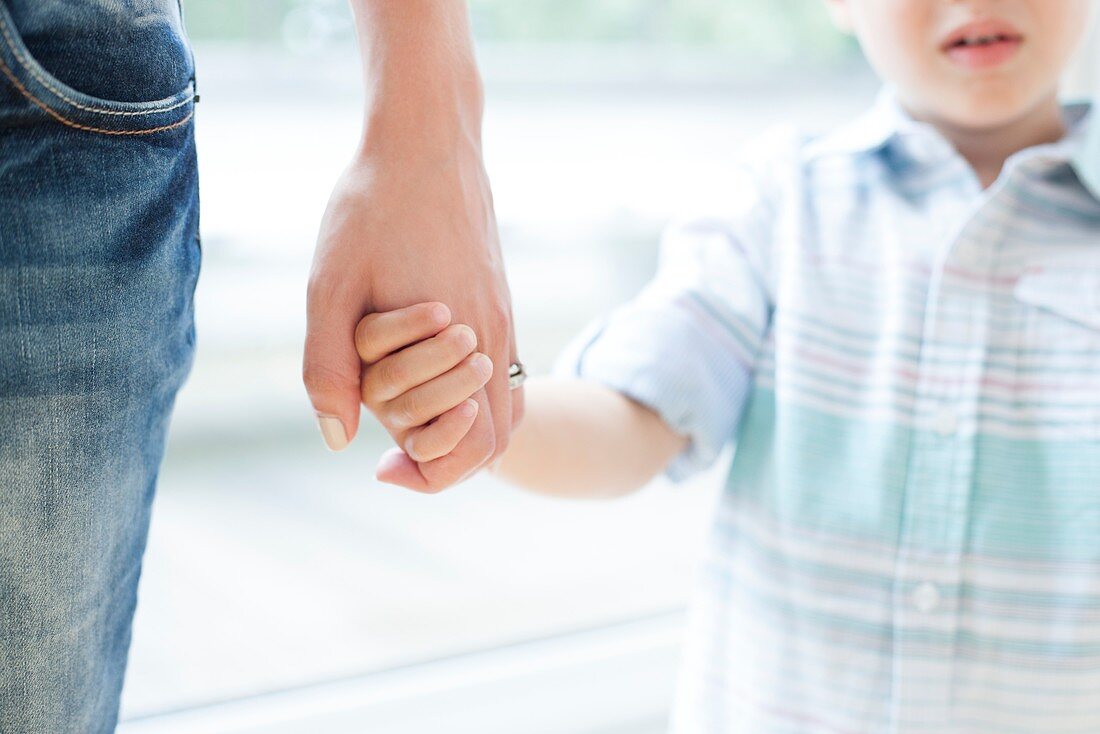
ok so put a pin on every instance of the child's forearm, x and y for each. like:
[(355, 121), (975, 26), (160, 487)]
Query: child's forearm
[(583, 440)]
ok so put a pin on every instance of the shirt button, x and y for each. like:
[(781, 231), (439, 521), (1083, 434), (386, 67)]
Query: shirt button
[(926, 596), (947, 422)]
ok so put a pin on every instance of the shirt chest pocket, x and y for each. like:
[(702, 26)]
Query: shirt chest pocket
[(1050, 375), (1035, 492), (1071, 294)]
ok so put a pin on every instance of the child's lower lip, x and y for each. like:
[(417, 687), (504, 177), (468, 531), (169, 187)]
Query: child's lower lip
[(991, 54)]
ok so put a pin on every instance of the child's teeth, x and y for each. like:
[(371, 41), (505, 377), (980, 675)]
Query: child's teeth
[(980, 40)]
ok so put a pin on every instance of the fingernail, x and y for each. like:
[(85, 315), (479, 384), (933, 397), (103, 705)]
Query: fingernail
[(483, 365), (332, 429), (468, 408), (469, 338), (440, 315)]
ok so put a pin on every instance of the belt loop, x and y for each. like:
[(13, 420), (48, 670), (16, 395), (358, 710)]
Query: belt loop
[(191, 49)]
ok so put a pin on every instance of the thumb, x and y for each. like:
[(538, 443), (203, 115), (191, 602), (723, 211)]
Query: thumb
[(331, 371)]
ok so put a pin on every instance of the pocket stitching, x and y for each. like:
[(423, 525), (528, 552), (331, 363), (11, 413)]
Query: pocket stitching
[(47, 83), (65, 121), (1088, 317)]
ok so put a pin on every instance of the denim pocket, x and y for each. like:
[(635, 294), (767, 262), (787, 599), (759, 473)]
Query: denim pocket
[(79, 110)]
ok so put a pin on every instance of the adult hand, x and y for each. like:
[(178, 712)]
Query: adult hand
[(405, 226), (410, 220)]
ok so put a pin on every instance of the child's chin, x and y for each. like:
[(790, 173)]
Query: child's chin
[(979, 109)]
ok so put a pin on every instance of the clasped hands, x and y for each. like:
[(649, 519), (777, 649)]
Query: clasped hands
[(401, 236)]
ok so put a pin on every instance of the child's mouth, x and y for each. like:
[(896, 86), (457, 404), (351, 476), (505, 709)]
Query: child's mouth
[(983, 45)]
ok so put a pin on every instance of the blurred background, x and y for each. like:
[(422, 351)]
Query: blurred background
[(284, 589)]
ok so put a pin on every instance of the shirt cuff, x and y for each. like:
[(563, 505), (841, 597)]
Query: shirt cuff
[(659, 358)]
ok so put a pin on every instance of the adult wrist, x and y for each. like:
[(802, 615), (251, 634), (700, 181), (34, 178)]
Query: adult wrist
[(424, 112), (423, 88)]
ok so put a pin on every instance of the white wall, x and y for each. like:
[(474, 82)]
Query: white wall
[(1084, 75)]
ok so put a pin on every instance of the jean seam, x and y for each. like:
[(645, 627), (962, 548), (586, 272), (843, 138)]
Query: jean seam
[(4, 29), (66, 121)]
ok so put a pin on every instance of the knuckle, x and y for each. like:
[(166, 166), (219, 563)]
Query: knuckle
[(500, 445), (477, 378), (412, 448), (320, 379), (479, 447), (317, 286), (463, 338), (425, 313), (495, 454), (500, 318), (486, 451), (471, 335), (404, 415), (369, 394), (422, 446), (323, 293), (482, 448), (364, 335), (391, 376)]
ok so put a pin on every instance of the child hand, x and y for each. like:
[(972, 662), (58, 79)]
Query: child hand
[(417, 379)]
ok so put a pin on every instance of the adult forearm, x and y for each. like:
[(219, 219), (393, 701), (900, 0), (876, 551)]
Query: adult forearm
[(411, 219), (423, 89), (580, 439)]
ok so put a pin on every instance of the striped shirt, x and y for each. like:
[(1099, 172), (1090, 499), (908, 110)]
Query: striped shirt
[(908, 369)]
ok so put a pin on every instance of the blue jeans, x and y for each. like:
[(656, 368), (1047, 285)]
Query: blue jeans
[(99, 255)]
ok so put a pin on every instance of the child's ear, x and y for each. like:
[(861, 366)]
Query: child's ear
[(840, 13)]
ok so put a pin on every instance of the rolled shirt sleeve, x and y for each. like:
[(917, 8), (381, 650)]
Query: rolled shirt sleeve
[(686, 344)]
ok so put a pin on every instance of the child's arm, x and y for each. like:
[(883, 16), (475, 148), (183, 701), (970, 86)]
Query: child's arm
[(577, 438), (581, 439)]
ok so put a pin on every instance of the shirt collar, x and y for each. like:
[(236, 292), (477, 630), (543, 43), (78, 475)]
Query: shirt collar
[(886, 125), (1085, 156)]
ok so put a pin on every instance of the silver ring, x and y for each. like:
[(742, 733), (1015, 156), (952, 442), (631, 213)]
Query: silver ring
[(516, 375)]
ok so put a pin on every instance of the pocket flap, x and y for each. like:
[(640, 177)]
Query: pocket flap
[(1074, 294)]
